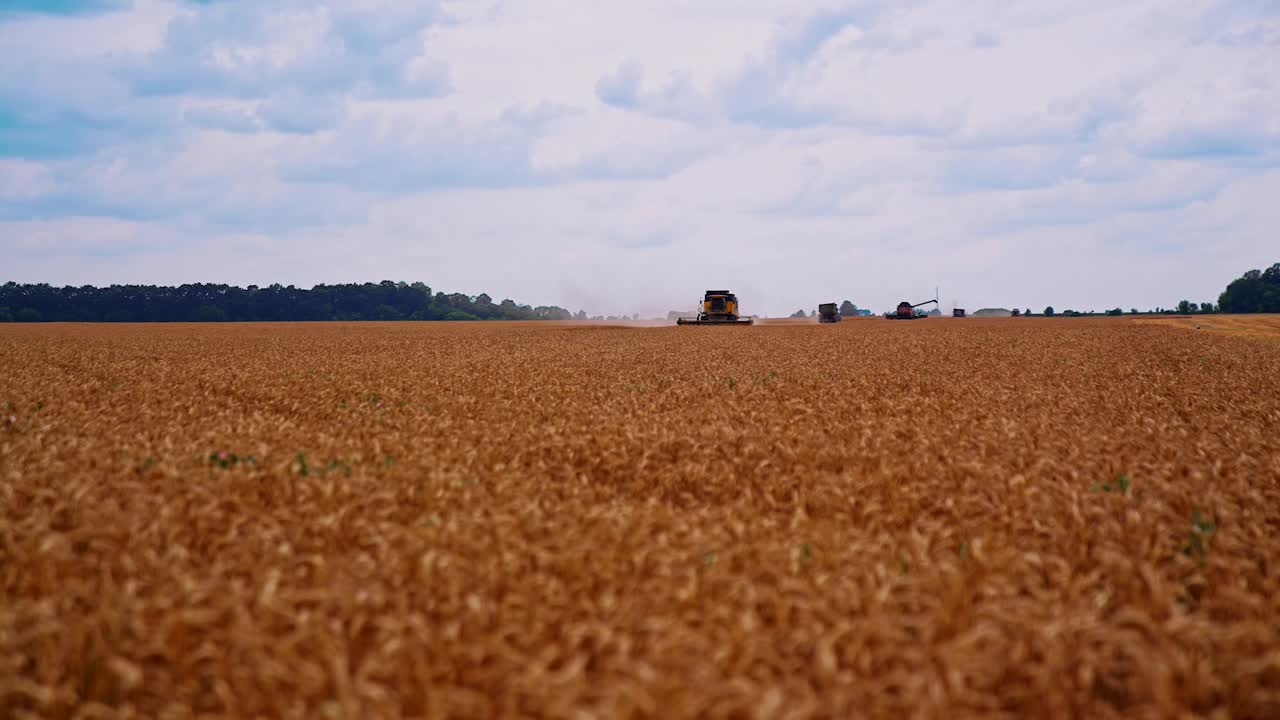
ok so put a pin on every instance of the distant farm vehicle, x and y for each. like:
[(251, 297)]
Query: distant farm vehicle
[(828, 313), (719, 307), (907, 311)]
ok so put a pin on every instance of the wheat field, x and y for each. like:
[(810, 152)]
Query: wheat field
[(946, 518)]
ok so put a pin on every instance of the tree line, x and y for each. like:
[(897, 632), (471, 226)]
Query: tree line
[(1257, 291), (204, 302)]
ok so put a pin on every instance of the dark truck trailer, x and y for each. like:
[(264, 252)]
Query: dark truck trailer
[(828, 313)]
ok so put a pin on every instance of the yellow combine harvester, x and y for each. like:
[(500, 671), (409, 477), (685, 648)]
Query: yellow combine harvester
[(719, 307)]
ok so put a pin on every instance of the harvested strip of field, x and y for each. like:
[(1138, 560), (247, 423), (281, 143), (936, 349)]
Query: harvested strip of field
[(1022, 517), (1258, 327)]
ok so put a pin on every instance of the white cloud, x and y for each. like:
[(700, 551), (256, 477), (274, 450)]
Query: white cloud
[(22, 180), (622, 86)]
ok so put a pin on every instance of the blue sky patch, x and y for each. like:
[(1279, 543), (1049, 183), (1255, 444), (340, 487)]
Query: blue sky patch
[(61, 7)]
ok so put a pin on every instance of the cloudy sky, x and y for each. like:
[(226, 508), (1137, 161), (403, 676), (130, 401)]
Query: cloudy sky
[(623, 156)]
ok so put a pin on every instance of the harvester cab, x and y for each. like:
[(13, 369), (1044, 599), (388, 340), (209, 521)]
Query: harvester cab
[(719, 307), (907, 311), (828, 313)]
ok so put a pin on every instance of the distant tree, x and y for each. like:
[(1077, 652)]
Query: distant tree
[(551, 312), (1133, 311), (799, 314), (1016, 312), (1115, 311), (580, 315), (1206, 308), (848, 309), (210, 313), (5, 315), (1185, 307), (1048, 311), (1254, 292), (27, 315), (384, 312)]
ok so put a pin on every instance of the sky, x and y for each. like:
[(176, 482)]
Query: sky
[(620, 156)]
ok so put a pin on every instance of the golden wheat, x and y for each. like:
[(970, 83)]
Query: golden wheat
[(1016, 517)]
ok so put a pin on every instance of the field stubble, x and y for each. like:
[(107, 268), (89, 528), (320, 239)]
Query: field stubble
[(943, 518), (1257, 327)]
